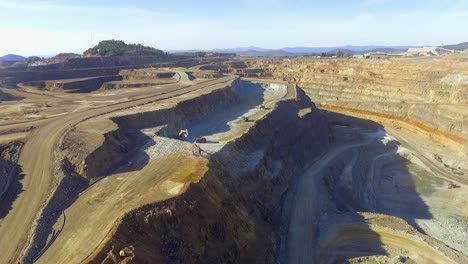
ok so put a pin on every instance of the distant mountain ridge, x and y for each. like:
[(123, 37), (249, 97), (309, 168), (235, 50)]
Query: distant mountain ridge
[(460, 47), (12, 57), (266, 53), (301, 51), (347, 47)]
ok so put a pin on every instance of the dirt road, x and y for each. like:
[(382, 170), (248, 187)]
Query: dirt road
[(304, 218), (110, 199), (37, 162), (364, 230), (114, 196), (431, 164)]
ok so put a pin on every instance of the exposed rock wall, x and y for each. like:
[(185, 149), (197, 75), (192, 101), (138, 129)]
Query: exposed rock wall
[(233, 214), (82, 86), (11, 77), (379, 177), (9, 169), (3, 96), (144, 74), (102, 152), (431, 93)]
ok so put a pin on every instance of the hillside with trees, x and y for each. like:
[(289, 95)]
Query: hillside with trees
[(108, 48)]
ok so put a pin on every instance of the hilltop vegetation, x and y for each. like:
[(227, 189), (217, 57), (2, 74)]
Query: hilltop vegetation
[(107, 48)]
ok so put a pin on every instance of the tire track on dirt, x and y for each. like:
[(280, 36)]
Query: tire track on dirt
[(37, 162)]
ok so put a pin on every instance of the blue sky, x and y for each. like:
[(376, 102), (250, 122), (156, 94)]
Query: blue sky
[(32, 27)]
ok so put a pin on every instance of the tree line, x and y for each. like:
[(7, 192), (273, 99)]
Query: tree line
[(108, 48)]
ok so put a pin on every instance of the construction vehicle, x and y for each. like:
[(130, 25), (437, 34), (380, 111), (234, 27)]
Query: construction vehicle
[(452, 185), (182, 134), (200, 140)]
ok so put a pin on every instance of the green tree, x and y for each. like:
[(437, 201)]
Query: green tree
[(107, 48)]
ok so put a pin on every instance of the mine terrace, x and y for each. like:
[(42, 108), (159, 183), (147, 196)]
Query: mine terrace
[(219, 158)]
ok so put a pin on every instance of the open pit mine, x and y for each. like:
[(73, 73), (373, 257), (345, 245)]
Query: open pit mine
[(235, 160)]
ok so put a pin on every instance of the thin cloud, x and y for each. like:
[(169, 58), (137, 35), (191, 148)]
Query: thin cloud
[(181, 31), (53, 7)]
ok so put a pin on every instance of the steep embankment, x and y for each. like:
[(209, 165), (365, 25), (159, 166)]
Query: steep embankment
[(366, 198), (82, 85), (39, 180), (430, 94), (3, 96), (96, 148), (86, 67), (9, 174), (138, 172), (231, 214), (367, 234), (145, 74)]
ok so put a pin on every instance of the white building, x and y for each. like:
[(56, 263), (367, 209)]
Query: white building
[(375, 55), (428, 51)]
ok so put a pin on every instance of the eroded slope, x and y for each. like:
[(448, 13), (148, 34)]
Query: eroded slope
[(238, 181)]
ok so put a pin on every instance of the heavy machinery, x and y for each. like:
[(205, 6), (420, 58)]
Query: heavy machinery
[(452, 185), (200, 140), (182, 134)]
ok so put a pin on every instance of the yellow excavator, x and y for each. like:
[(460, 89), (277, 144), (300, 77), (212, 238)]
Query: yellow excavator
[(183, 134)]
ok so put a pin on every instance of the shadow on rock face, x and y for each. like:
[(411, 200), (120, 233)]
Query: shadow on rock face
[(13, 173), (372, 178), (5, 96), (66, 193), (232, 215), (215, 119)]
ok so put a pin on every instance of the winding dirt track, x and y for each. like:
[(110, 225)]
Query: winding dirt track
[(359, 234), (438, 171), (86, 232), (37, 162), (304, 217)]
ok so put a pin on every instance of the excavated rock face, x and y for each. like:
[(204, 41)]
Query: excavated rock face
[(429, 93), (7, 97), (145, 74), (94, 154), (9, 154), (233, 214), (3, 96), (81, 85), (373, 202)]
